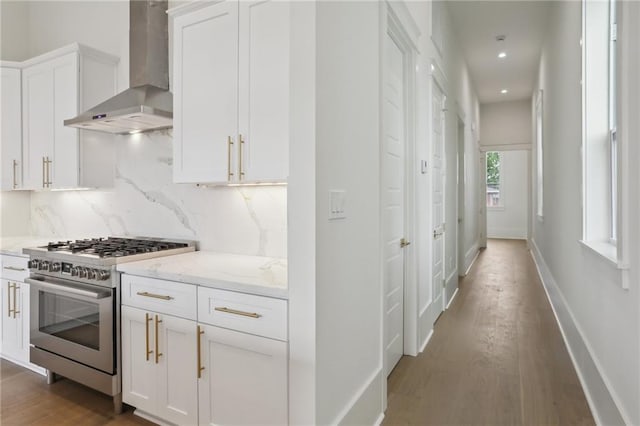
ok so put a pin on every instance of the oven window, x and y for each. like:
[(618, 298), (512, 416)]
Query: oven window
[(70, 319)]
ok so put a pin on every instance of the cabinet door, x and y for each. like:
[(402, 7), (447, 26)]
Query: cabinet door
[(37, 123), (244, 380), (177, 370), (64, 167), (11, 129), (205, 66), (50, 95), (264, 90), (15, 323), (139, 378)]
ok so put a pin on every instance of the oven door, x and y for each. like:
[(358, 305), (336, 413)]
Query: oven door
[(73, 320)]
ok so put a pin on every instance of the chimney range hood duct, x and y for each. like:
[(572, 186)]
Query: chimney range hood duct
[(147, 104)]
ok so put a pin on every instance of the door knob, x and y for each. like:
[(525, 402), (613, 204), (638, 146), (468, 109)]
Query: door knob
[(404, 242)]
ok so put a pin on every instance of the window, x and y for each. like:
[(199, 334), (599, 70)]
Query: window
[(494, 180), (600, 142)]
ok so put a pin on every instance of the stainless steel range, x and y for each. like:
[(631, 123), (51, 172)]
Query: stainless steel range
[(75, 306)]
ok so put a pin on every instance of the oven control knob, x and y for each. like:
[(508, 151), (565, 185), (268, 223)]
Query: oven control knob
[(92, 274), (103, 275), (75, 271), (33, 264), (44, 265), (55, 267), (82, 272)]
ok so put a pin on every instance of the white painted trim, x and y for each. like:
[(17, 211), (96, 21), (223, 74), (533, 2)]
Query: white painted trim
[(426, 341), (455, 293), (526, 146), (35, 368), (71, 48), (405, 20), (379, 419), (572, 341), (508, 234), (357, 397), (472, 254)]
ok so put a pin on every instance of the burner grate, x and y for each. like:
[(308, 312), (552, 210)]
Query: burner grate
[(113, 246)]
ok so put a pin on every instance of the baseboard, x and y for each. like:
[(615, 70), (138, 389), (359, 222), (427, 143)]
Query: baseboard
[(455, 293), (470, 257), (426, 341), (28, 365), (601, 399), (379, 420), (365, 408), (450, 287), (507, 234)]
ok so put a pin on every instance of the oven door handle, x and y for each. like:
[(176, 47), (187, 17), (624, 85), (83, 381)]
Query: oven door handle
[(69, 289)]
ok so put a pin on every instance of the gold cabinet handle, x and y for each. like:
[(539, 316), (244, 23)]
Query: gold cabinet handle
[(15, 181), (229, 144), (15, 300), (236, 312), (240, 147), (158, 354), (13, 268), (404, 242), (147, 320), (199, 345), (9, 310), (155, 296)]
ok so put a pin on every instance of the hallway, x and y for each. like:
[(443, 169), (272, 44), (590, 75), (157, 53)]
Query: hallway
[(496, 355)]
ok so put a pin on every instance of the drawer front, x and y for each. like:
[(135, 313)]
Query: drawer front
[(14, 267), (165, 297), (262, 316)]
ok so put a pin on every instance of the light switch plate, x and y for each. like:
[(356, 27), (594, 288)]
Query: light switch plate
[(337, 204)]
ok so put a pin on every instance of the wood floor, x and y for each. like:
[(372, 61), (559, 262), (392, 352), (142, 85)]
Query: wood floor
[(26, 399), (496, 356)]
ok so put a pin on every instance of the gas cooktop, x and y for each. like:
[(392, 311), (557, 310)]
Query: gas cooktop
[(110, 250)]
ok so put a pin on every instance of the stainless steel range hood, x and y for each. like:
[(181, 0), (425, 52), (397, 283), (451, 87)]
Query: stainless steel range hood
[(147, 104)]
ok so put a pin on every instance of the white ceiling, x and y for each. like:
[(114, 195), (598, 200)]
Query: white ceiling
[(476, 25)]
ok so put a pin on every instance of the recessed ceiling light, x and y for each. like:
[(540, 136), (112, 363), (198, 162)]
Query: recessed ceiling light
[(502, 55), (503, 91)]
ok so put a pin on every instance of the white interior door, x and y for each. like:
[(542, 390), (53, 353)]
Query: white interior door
[(393, 199), (438, 200)]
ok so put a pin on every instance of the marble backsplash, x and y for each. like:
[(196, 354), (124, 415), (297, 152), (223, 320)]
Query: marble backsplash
[(145, 202)]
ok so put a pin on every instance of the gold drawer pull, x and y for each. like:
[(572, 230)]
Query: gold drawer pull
[(158, 353), (200, 367), (155, 296), (235, 312), (13, 268), (147, 320)]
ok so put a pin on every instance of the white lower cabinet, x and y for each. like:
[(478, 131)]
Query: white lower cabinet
[(186, 365), (159, 365), (14, 299), (244, 380), (15, 323)]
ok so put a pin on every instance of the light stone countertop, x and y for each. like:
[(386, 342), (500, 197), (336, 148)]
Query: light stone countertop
[(264, 276), (13, 245)]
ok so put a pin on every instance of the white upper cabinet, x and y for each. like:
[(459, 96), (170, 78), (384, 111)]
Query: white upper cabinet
[(11, 127), (57, 86), (231, 92)]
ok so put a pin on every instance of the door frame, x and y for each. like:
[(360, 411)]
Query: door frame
[(398, 23), (460, 187)]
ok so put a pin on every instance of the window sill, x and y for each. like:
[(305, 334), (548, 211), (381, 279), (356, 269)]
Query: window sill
[(606, 251)]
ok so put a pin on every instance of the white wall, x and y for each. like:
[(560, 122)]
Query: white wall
[(510, 220), (348, 282), (506, 123), (600, 319), (14, 37)]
